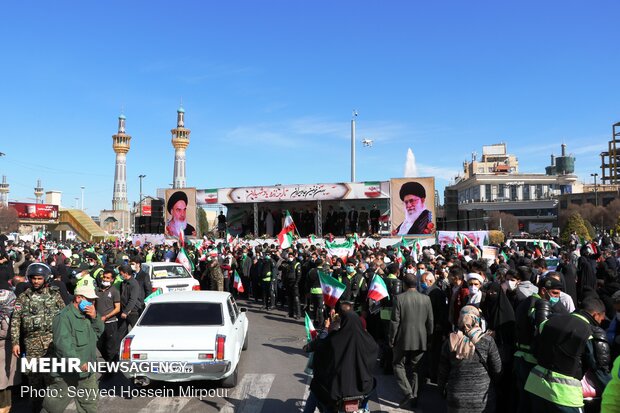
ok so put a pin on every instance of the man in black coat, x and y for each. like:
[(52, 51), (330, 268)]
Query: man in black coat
[(570, 275), (131, 304), (144, 281)]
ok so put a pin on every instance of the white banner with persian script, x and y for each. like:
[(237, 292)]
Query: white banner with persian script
[(302, 192)]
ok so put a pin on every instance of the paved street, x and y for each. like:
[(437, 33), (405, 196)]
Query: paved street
[(271, 379)]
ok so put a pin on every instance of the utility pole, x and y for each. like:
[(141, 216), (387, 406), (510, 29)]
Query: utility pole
[(353, 146), (140, 202), (595, 189)]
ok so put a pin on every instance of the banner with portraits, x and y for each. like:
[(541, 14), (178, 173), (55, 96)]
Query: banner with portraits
[(181, 212), (412, 201), (449, 237)]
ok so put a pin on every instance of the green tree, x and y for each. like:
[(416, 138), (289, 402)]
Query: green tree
[(203, 223), (577, 224)]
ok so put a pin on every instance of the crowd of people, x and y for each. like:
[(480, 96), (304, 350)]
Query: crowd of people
[(507, 335)]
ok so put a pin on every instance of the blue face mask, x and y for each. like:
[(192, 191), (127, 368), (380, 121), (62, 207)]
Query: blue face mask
[(554, 300), (423, 286), (83, 304)]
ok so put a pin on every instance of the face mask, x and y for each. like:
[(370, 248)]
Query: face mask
[(291, 259), (473, 289), (512, 284), (83, 304), (106, 283), (554, 300), (350, 268), (91, 264), (423, 286), (410, 271), (266, 257), (245, 255)]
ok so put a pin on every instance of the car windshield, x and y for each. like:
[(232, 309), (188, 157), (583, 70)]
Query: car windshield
[(183, 314), (169, 271)]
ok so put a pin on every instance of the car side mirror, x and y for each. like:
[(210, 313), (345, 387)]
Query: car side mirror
[(243, 309)]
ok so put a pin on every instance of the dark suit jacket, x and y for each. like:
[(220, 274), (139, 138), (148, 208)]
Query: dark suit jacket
[(412, 321)]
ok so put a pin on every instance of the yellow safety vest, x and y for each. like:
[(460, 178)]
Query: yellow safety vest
[(611, 395), (555, 387)]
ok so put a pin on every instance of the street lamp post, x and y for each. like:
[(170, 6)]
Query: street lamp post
[(82, 188), (595, 189), (140, 202), (77, 202), (353, 146)]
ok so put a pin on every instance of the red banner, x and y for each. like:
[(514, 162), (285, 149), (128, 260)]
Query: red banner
[(35, 211), (146, 210)]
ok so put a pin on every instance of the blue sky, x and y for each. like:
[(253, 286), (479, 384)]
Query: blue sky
[(269, 86)]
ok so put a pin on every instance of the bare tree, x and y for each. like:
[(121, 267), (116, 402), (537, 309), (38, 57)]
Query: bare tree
[(9, 221), (509, 222)]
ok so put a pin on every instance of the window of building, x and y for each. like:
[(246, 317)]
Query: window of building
[(501, 191), (513, 192), (526, 192)]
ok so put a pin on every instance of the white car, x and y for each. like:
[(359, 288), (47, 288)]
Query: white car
[(204, 332), (531, 242), (170, 277)]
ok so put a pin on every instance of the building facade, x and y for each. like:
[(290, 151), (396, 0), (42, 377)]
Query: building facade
[(494, 183)]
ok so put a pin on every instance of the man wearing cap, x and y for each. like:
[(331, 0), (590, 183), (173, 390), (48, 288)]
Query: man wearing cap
[(76, 331), (418, 219), (95, 268), (177, 208)]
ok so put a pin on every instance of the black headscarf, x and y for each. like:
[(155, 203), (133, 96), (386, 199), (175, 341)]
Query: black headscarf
[(343, 362), (500, 317)]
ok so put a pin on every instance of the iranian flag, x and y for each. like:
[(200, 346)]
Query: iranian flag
[(503, 254), (182, 257), (229, 237), (311, 332), (209, 196), (416, 249), (470, 243), (237, 283), (285, 237), (399, 257), (154, 294), (184, 260), (332, 289), (537, 252), (377, 289), (342, 250), (311, 239)]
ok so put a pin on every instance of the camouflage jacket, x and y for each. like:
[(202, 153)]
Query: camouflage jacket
[(32, 319)]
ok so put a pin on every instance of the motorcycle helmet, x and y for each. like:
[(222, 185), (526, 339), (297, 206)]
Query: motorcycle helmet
[(40, 269)]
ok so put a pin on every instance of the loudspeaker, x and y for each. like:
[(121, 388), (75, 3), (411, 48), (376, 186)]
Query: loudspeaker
[(157, 208)]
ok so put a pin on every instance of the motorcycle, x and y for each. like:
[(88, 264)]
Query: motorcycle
[(352, 405)]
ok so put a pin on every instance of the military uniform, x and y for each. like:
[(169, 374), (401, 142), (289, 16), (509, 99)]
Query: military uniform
[(32, 322), (75, 336)]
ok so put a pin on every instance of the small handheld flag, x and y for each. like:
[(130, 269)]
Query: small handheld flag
[(332, 289), (237, 283)]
